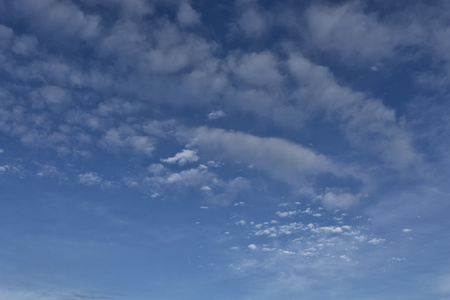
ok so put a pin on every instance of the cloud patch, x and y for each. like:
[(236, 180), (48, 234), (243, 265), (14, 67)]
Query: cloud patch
[(182, 158)]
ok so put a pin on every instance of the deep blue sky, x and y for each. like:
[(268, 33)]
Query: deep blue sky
[(245, 150)]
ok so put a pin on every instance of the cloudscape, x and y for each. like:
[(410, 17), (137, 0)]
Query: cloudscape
[(241, 149)]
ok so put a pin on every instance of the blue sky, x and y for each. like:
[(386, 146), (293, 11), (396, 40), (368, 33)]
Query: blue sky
[(224, 149)]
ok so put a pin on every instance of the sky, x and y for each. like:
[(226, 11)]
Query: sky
[(240, 149)]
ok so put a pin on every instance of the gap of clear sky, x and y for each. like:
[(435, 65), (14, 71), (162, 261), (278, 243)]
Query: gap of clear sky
[(221, 150)]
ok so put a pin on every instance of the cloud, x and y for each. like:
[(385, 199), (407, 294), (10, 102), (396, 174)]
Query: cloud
[(90, 178), (252, 247), (93, 179), (347, 30), (6, 36), (282, 159), (24, 294), (25, 45), (442, 284), (61, 19), (253, 22), (328, 229), (52, 97), (364, 121), (131, 9), (333, 198), (119, 107), (182, 158), (216, 115), (187, 16), (126, 138), (257, 70), (376, 241), (285, 214)]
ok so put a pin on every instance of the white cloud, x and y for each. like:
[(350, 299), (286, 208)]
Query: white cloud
[(281, 159), (189, 177), (187, 16), (126, 138), (182, 158), (285, 214), (376, 241), (258, 70), (350, 32), (328, 229), (175, 51), (216, 115), (90, 178), (205, 188), (58, 18), (156, 169), (252, 247), (117, 106), (366, 122)]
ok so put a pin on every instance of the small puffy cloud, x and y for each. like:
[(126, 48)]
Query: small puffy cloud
[(4, 168), (187, 16), (90, 178), (407, 230), (241, 222), (195, 177), (50, 171), (376, 241), (344, 257), (182, 158), (1, 151), (252, 247), (328, 229), (156, 169), (360, 238), (216, 115), (285, 214), (205, 188)]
